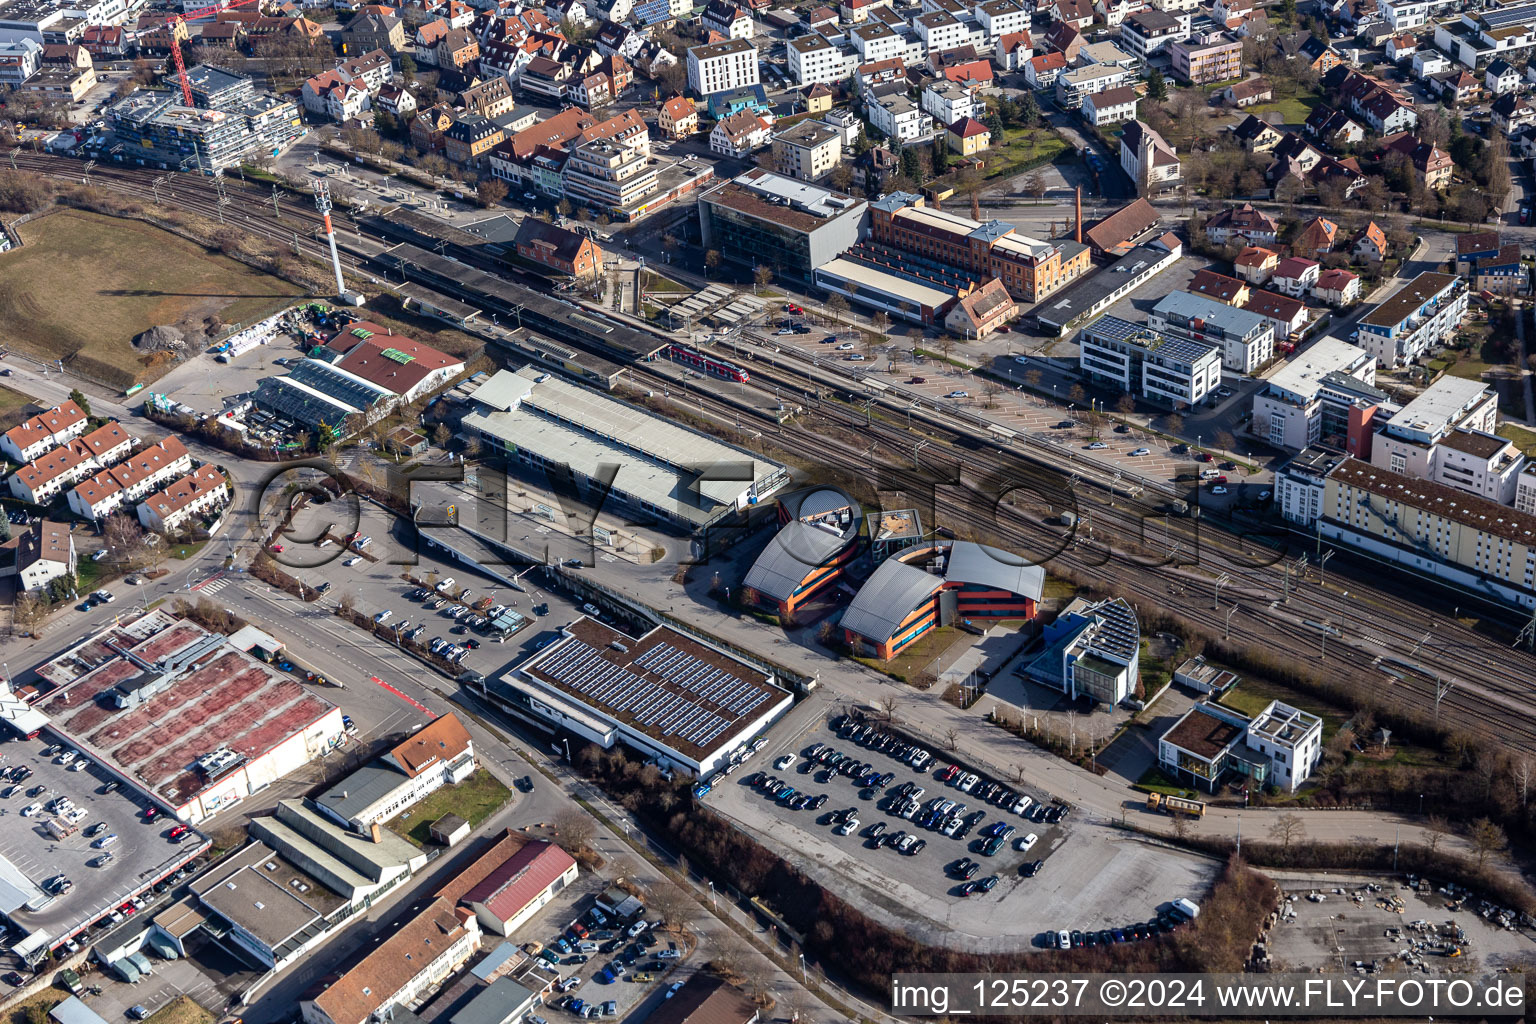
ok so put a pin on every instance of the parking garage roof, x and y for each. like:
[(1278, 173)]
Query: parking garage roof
[(224, 699)]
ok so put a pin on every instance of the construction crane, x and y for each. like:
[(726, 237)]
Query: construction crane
[(180, 34)]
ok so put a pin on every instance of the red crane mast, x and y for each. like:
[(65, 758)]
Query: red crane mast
[(179, 32)]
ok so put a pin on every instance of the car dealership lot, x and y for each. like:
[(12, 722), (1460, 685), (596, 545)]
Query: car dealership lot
[(1090, 875)]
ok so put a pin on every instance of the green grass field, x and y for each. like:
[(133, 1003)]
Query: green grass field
[(85, 284), (12, 401), (1021, 147), (1524, 437), (1294, 111), (474, 800)]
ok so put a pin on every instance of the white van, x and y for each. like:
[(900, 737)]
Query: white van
[(1187, 907)]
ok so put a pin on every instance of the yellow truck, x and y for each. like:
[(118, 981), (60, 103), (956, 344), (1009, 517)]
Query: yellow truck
[(1175, 805)]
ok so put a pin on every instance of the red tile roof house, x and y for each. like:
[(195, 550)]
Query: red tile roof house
[(1336, 287), (1295, 276), (46, 430)]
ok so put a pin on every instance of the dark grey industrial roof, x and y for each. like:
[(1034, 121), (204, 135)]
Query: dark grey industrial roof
[(886, 598), (790, 556), (497, 1004), (361, 790), (993, 567)]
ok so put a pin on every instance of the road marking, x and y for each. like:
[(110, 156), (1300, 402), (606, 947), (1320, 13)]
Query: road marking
[(405, 697)]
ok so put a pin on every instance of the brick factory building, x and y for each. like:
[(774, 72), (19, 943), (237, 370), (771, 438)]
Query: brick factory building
[(184, 713)]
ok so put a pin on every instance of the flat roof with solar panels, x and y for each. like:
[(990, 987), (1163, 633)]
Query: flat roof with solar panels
[(1503, 17), (664, 693)]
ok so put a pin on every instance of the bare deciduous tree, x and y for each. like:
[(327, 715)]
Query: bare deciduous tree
[(1287, 829), (575, 829), (1486, 839), (1436, 829)]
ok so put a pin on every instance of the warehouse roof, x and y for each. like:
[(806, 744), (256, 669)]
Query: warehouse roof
[(665, 684), (520, 879), (658, 459), (411, 948)]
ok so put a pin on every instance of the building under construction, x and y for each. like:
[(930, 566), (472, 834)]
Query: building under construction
[(157, 130)]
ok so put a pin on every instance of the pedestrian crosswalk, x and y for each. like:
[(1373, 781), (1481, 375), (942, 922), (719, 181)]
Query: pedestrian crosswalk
[(214, 587)]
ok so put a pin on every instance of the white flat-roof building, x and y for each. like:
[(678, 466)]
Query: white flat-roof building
[(1278, 747), (1140, 361), (687, 704), (544, 423), (1446, 435), (1307, 398)]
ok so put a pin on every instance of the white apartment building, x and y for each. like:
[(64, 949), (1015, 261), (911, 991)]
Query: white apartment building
[(948, 101), (1415, 320), (877, 41), (940, 31), (1407, 441), (998, 18), (46, 477), (1525, 490), (897, 117), (608, 176), (1140, 361), (807, 150), (1246, 339), (1309, 398), (1072, 86), (721, 67), (811, 59), (1403, 15)]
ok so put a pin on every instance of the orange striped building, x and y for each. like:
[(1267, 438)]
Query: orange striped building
[(939, 585), (817, 539)]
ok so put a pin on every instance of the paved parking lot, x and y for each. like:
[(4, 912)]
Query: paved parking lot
[(379, 585), (1090, 876), (571, 905), (141, 854)]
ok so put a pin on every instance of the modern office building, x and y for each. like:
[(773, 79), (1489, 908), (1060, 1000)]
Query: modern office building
[(765, 219), (1279, 747), (1201, 61), (818, 537), (1313, 397), (1174, 372), (926, 586), (1415, 320), (1092, 650), (1246, 339)]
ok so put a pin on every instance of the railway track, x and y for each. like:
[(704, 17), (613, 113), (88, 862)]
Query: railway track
[(1497, 702)]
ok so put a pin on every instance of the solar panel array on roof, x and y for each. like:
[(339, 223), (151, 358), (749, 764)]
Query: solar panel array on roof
[(674, 694), (1501, 17), (1118, 631)]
